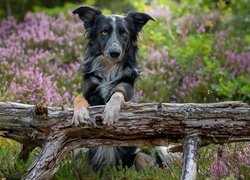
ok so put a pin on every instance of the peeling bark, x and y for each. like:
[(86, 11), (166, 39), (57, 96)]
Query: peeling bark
[(48, 160), (191, 156), (139, 124)]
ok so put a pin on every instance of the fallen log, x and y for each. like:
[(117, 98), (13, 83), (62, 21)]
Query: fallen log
[(140, 124)]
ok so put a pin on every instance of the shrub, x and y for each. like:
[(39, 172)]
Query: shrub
[(40, 59)]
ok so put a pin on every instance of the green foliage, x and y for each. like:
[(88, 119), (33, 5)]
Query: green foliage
[(18, 9), (235, 157), (240, 22), (210, 50), (12, 167), (238, 88), (72, 169)]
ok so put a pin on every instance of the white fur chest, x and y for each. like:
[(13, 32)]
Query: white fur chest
[(110, 74)]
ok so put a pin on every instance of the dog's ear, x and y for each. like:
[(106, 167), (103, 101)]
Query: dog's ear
[(139, 19), (87, 14)]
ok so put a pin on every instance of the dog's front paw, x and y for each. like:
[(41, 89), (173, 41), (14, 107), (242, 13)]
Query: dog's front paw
[(111, 113), (80, 116)]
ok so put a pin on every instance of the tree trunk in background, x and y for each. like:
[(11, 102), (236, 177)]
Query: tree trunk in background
[(8, 8)]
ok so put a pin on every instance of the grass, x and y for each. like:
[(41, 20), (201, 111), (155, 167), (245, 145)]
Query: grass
[(70, 168)]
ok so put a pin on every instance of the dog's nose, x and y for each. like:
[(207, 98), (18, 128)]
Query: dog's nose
[(114, 54)]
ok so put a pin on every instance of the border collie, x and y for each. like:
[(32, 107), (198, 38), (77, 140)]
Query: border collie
[(109, 74)]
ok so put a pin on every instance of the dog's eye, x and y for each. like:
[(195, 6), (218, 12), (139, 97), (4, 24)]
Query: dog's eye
[(124, 34), (104, 33)]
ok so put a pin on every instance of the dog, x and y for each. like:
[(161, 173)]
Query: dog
[(109, 75)]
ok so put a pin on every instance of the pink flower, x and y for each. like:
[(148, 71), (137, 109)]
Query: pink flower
[(39, 56), (219, 168), (201, 28)]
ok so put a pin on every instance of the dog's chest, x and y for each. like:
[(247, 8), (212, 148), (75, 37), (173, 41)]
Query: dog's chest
[(110, 74), (108, 78)]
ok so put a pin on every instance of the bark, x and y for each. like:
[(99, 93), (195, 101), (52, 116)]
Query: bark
[(139, 124), (47, 162), (191, 156)]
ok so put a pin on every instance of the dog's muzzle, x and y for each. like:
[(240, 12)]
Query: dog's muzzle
[(114, 51)]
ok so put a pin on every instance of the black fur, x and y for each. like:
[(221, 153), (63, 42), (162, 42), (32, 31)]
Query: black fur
[(110, 65)]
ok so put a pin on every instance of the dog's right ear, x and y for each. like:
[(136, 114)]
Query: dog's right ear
[(138, 19), (87, 14)]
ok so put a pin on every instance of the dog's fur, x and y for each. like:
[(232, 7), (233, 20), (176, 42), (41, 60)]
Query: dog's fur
[(109, 74)]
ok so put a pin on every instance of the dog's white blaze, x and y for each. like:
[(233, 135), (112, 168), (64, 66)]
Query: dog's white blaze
[(114, 37)]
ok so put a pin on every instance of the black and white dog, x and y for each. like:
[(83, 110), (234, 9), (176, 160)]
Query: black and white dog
[(109, 74)]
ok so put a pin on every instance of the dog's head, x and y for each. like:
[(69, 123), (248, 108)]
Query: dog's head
[(112, 35)]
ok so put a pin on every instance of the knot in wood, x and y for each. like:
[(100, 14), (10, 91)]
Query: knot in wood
[(41, 110)]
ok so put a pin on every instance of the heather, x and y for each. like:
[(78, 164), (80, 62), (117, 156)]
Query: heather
[(194, 52), (40, 59)]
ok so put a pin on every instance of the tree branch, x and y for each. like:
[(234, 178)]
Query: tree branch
[(139, 124)]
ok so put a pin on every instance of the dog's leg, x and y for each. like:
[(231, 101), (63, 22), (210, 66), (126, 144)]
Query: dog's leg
[(81, 113), (143, 161), (112, 109)]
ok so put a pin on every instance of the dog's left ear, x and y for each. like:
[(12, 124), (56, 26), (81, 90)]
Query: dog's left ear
[(87, 14), (139, 19)]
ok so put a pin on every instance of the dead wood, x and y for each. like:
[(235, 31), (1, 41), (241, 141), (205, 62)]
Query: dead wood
[(139, 124)]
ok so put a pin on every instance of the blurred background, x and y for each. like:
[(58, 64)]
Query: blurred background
[(196, 51)]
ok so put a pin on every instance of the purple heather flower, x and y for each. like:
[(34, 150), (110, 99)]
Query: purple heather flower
[(38, 56), (201, 28), (160, 13), (219, 168)]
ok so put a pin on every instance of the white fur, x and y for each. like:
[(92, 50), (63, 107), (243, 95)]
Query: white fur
[(105, 155), (109, 71), (80, 116), (164, 154), (112, 109), (162, 149), (111, 112), (108, 77)]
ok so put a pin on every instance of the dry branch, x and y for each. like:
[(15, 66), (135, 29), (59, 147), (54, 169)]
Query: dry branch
[(191, 156), (139, 124)]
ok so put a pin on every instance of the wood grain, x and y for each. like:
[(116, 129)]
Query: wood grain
[(140, 124)]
